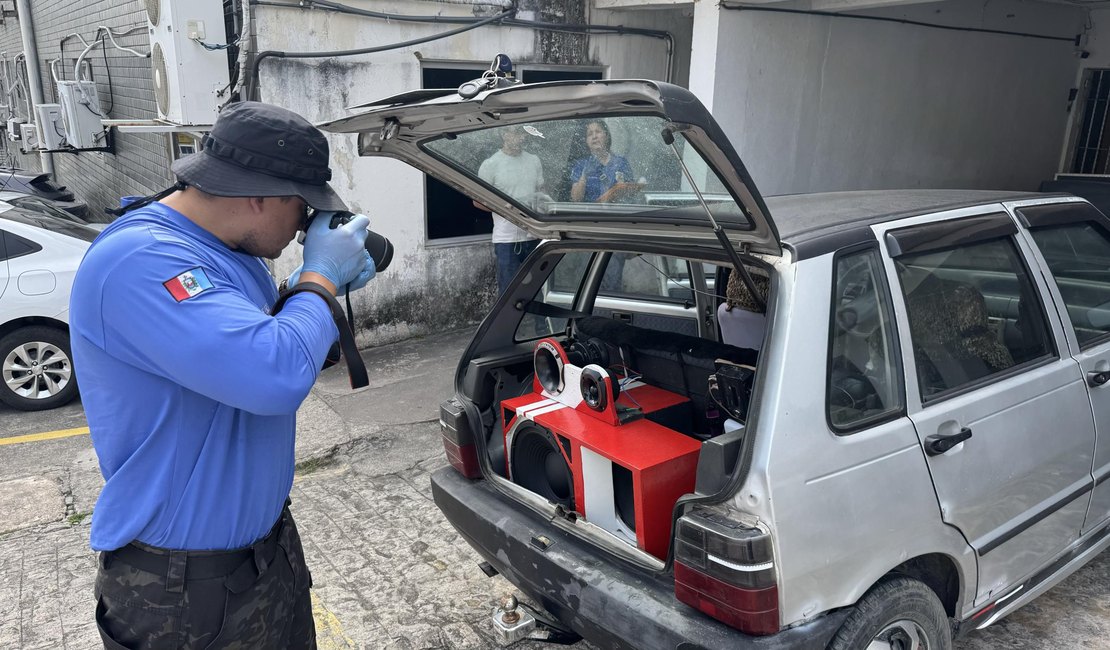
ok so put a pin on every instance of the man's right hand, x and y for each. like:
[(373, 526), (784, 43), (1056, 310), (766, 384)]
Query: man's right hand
[(339, 254)]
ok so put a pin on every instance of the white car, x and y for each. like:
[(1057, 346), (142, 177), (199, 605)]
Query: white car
[(701, 419), (39, 255)]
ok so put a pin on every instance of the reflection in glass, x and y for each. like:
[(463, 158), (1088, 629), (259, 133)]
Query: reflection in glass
[(612, 165)]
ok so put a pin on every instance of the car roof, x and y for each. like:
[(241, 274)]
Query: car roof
[(814, 224)]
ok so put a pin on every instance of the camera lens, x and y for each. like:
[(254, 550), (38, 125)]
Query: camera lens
[(380, 249)]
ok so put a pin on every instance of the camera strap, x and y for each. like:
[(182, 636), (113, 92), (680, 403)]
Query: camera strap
[(145, 201), (356, 369)]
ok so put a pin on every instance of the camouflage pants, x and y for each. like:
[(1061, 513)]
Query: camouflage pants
[(258, 597)]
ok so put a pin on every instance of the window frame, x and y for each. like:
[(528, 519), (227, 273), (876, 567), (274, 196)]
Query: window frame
[(1052, 355), (898, 370)]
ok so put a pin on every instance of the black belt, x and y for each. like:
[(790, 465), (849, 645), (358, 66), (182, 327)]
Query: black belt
[(241, 566)]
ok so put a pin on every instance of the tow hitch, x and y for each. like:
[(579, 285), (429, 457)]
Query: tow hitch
[(514, 621)]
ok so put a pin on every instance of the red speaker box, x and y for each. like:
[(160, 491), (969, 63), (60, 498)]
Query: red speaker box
[(581, 440)]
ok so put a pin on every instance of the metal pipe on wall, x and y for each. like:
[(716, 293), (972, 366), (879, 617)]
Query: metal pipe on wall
[(34, 75)]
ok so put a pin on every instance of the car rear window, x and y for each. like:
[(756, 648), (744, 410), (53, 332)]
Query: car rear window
[(38, 205), (46, 222), (617, 166)]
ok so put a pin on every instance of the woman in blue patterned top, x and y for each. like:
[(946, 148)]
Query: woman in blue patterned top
[(594, 175)]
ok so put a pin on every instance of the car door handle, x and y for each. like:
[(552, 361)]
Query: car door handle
[(1097, 378), (943, 442)]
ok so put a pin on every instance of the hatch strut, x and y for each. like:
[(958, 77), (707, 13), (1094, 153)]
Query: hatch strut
[(668, 138)]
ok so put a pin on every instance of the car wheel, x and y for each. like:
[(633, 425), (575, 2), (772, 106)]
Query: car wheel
[(899, 613), (36, 369)]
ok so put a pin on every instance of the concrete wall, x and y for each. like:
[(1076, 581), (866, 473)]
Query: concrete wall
[(818, 103), (430, 286), (141, 162)]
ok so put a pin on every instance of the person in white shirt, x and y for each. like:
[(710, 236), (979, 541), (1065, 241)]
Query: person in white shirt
[(519, 175)]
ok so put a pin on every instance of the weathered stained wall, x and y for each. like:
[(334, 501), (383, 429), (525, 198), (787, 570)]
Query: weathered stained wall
[(430, 286), (141, 162), (818, 103)]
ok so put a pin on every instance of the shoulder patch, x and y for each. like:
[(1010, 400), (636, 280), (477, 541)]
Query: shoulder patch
[(188, 284)]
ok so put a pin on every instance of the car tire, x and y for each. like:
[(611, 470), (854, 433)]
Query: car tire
[(36, 369), (898, 613)]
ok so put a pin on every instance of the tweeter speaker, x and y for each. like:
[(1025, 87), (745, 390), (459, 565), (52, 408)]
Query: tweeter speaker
[(598, 387)]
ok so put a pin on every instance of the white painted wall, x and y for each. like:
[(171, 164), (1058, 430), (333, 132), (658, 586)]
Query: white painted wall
[(427, 288), (818, 103)]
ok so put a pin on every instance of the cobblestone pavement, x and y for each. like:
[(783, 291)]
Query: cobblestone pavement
[(389, 571)]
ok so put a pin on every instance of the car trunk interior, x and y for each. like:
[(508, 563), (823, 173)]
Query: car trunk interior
[(679, 387)]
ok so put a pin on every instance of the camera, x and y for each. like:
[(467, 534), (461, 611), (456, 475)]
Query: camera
[(379, 248)]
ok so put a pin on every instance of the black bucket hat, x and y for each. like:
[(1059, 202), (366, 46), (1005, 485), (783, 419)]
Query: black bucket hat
[(258, 149)]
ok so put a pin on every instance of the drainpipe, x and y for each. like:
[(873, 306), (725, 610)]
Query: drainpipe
[(34, 79)]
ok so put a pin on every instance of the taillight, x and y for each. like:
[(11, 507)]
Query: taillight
[(458, 441), (726, 570)]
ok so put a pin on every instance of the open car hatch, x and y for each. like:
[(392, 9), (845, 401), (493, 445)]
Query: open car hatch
[(642, 192)]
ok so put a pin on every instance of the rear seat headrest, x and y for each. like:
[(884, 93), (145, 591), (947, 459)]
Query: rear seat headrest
[(737, 294)]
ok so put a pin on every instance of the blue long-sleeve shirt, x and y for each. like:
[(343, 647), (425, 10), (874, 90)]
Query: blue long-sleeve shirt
[(189, 385)]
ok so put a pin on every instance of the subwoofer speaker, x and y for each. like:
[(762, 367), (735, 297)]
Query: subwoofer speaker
[(539, 466)]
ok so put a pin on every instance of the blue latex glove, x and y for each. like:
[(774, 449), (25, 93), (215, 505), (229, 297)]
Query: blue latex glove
[(369, 269), (359, 282), (340, 254)]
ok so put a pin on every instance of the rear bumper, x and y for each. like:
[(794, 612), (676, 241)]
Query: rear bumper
[(608, 602)]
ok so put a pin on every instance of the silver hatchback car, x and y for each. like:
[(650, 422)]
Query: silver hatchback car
[(702, 419)]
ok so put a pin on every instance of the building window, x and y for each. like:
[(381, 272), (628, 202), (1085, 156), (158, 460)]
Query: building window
[(449, 214), (1091, 143)]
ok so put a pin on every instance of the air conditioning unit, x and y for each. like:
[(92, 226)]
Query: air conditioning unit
[(13, 128), (30, 137), (51, 125), (188, 78), (81, 114)]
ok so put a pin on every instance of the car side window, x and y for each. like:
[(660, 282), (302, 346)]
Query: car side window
[(559, 290), (1078, 254), (12, 246), (643, 276), (865, 380), (973, 313)]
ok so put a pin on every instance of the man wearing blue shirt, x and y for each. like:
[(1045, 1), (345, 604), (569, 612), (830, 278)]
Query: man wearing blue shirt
[(191, 386)]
